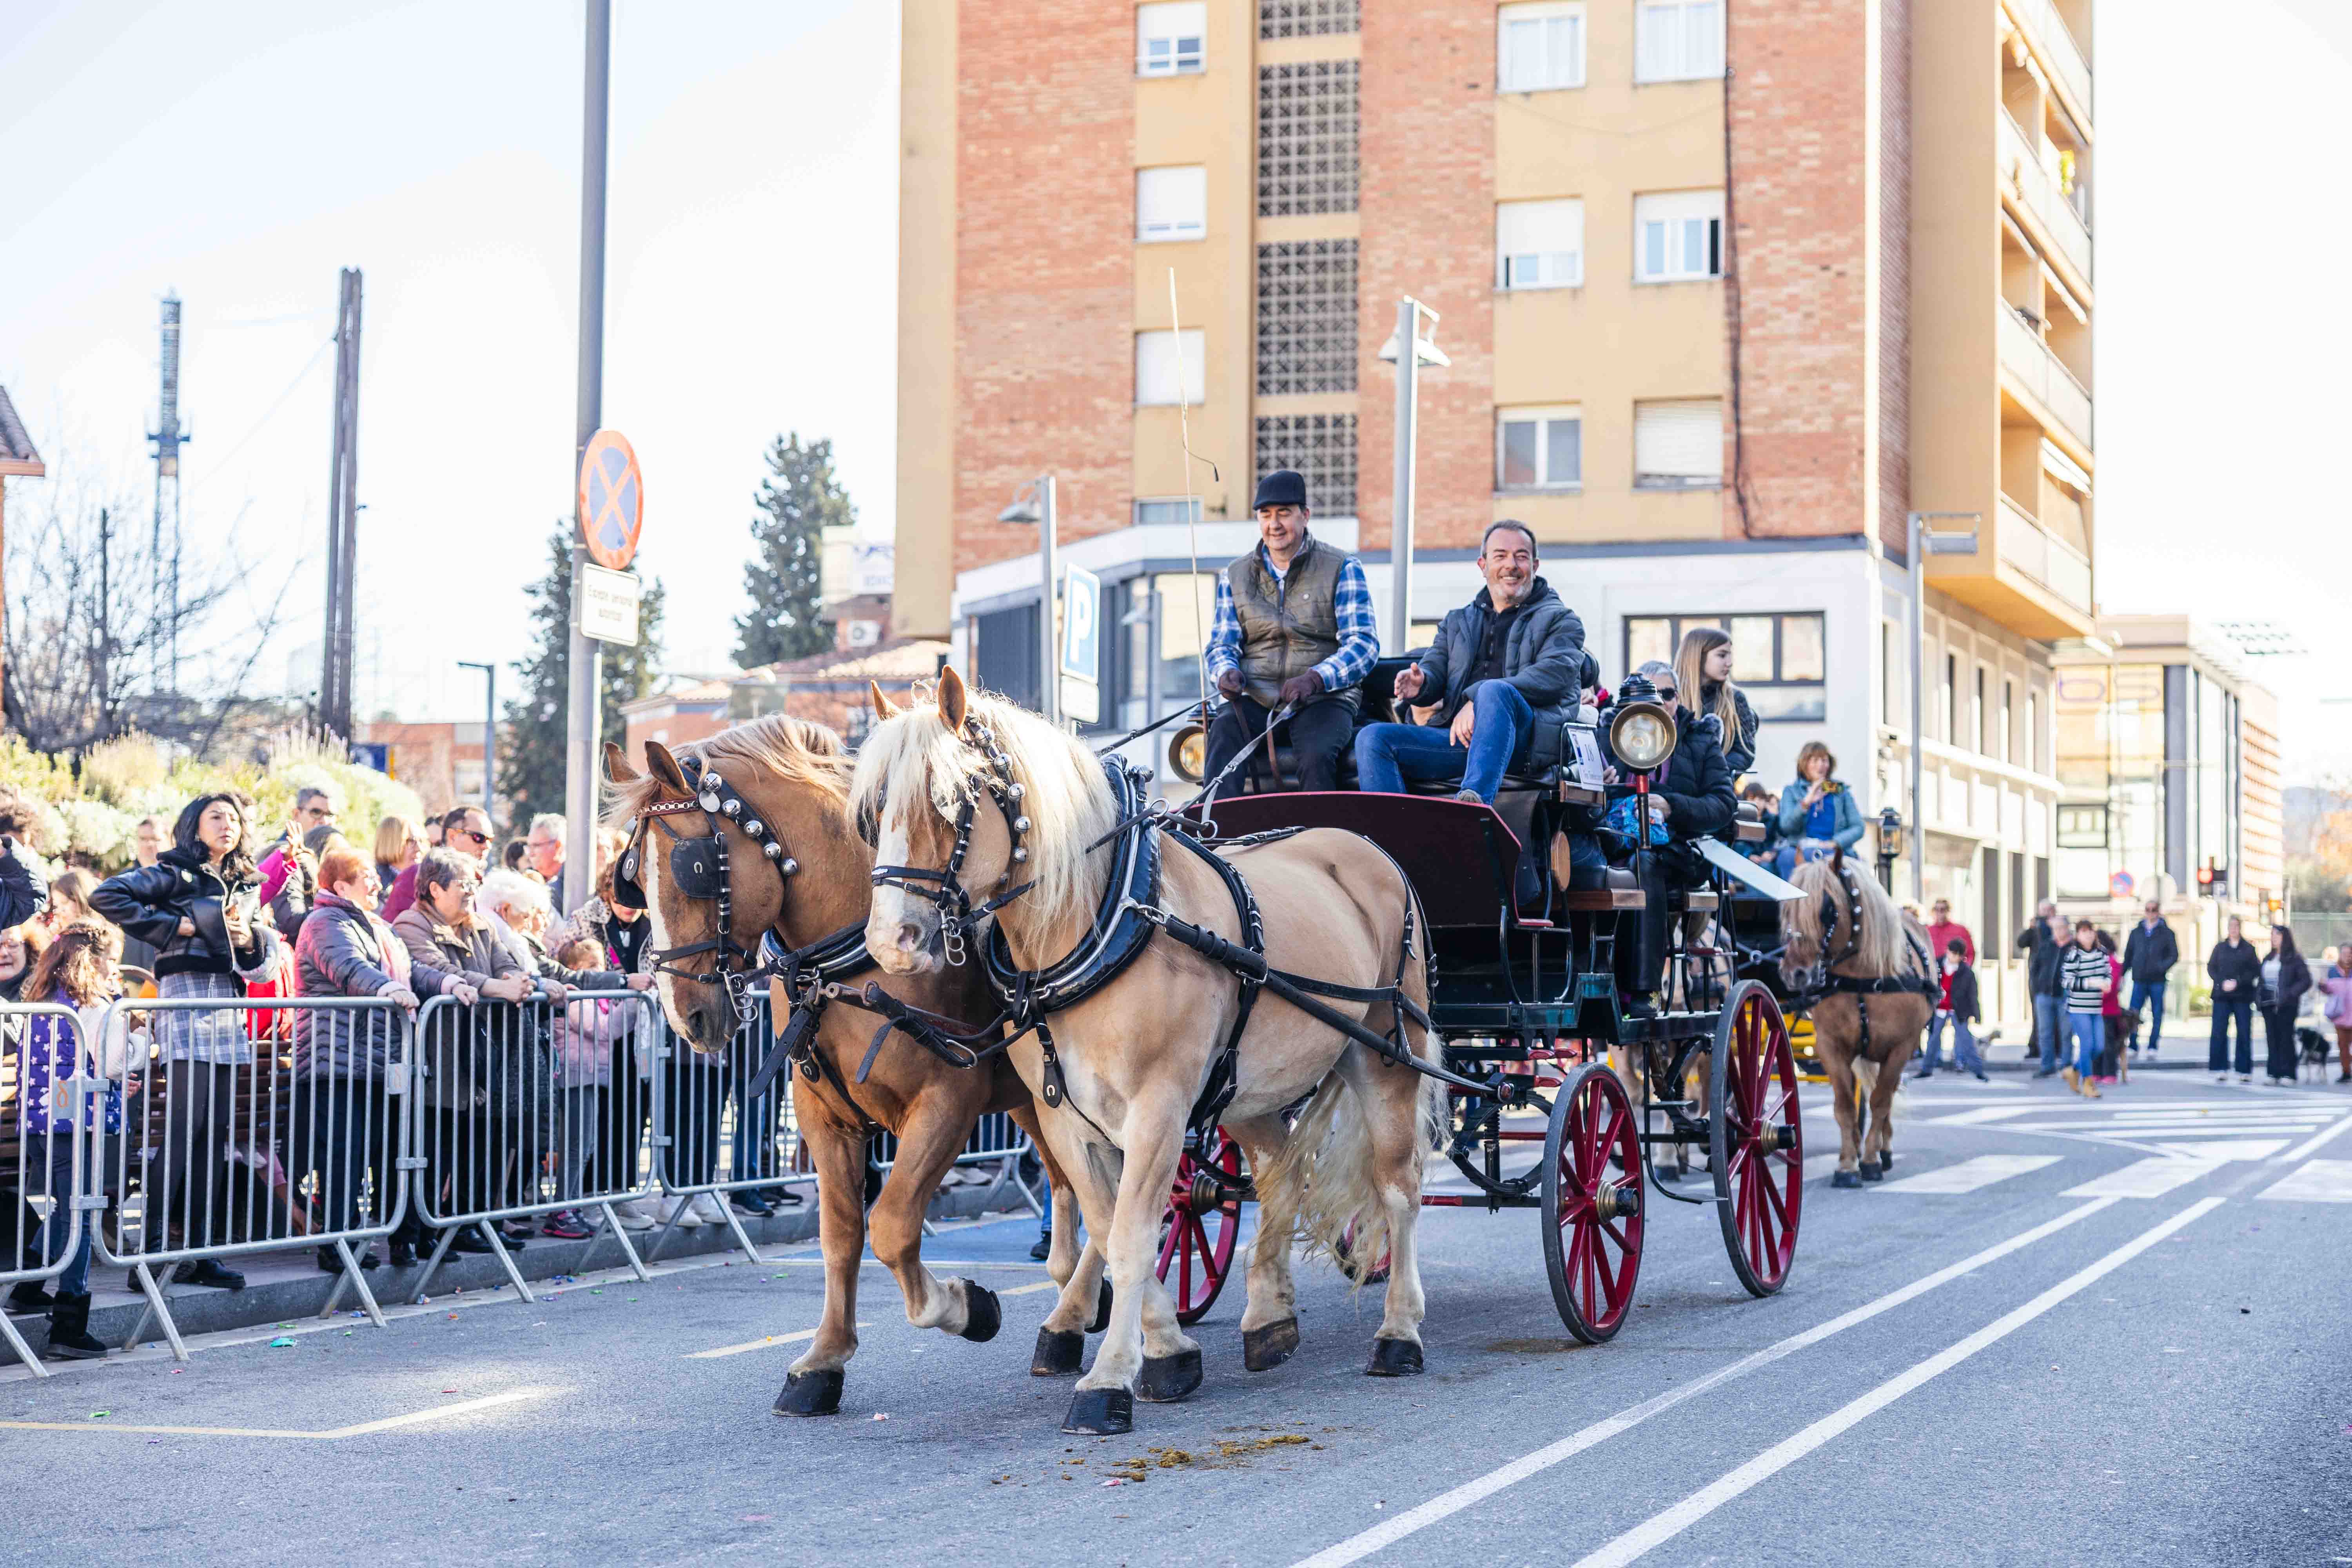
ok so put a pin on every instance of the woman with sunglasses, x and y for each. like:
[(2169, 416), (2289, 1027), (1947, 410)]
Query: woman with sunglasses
[(465, 829)]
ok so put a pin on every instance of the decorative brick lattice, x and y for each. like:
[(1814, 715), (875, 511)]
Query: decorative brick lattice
[(1306, 317), (1303, 18), (1306, 132), (1322, 448)]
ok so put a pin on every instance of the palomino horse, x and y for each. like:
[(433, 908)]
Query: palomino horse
[(789, 775), (946, 789), (1874, 980)]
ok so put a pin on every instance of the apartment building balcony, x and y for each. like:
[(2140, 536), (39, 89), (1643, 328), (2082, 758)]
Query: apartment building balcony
[(2043, 210), (2053, 43), (2023, 575), (2038, 381)]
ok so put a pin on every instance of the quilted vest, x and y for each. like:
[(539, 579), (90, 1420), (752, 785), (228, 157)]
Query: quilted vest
[(1288, 625)]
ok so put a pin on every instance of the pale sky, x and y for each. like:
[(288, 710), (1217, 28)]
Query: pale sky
[(240, 152)]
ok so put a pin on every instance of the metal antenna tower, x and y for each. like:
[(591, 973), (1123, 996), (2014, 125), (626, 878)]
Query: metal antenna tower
[(164, 570)]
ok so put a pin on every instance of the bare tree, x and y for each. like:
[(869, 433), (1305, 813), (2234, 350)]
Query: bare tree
[(91, 625)]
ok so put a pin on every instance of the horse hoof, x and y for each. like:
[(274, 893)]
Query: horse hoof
[(1886, 1158), (811, 1393), (1058, 1355), (1168, 1378), (1102, 1310), (1870, 1172), (1100, 1413), (1845, 1179), (1265, 1348), (983, 1316), (1394, 1358)]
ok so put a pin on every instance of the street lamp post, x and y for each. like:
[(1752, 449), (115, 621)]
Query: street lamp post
[(490, 736), (1040, 512), (1926, 540), (1408, 393)]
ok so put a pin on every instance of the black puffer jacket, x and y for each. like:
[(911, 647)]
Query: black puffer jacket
[(150, 902), (1695, 783), (1739, 750), (1545, 660)]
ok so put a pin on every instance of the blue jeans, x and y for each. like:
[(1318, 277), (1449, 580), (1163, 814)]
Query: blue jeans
[(2147, 1001), (2050, 1026), (2090, 1033), (1386, 755), (2217, 1057), (50, 1240), (1965, 1055)]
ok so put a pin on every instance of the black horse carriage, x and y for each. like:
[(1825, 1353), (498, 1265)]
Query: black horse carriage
[(1529, 1000)]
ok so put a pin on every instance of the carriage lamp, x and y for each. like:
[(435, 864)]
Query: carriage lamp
[(1640, 732), (1890, 846), (1188, 753)]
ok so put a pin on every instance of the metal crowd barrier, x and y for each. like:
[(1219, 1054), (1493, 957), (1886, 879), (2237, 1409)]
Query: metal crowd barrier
[(715, 1143), (42, 1080), (522, 1108), (996, 1139)]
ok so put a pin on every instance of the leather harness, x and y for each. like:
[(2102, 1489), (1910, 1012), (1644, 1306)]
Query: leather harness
[(1862, 987)]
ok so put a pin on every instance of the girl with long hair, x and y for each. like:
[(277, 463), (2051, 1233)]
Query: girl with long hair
[(2284, 979), (1703, 675)]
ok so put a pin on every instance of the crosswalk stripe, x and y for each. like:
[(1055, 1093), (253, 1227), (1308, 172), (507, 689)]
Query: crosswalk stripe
[(2149, 1178), (2217, 1149), (2314, 1181), (1979, 1116), (1969, 1175)]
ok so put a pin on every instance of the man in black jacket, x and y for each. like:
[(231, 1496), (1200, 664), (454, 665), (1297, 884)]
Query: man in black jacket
[(2149, 953), (23, 889), (2046, 985), (2236, 970)]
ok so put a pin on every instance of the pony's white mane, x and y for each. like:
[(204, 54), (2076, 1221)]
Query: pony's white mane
[(1884, 949), (1064, 793)]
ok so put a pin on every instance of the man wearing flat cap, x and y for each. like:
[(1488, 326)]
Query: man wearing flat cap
[(1294, 629)]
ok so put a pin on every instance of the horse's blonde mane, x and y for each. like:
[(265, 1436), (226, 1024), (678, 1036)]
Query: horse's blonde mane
[(791, 749), (1885, 948), (1064, 793)]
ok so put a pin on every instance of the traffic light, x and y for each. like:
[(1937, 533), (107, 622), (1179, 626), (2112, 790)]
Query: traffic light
[(2213, 878), (2205, 879)]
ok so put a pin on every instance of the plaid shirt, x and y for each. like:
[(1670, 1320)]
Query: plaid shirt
[(1359, 631)]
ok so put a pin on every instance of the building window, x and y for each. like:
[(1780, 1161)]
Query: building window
[(1539, 47), (1777, 660), (1539, 244), (1004, 653), (1171, 203), (2008, 719), (1170, 38), (1677, 40), (1304, 19), (1306, 317), (1678, 237), (1678, 445), (1167, 509), (1977, 715), (1307, 138), (1168, 367), (2033, 731), (1539, 449), (1951, 715), (1322, 448)]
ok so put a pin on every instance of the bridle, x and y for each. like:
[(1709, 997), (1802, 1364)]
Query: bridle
[(958, 916), (699, 868)]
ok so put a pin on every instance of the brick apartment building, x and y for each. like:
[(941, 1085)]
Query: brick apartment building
[(1727, 290)]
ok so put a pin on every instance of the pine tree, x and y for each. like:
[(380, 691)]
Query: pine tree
[(785, 577), (531, 755)]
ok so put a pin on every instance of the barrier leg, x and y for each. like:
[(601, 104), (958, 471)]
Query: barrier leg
[(742, 1236), (353, 1277), (613, 1224), (156, 1309), (669, 1226), (17, 1343), (498, 1246), (433, 1264)]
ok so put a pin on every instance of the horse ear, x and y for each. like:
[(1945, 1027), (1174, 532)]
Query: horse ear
[(616, 765), (883, 707), (955, 702), (664, 769)]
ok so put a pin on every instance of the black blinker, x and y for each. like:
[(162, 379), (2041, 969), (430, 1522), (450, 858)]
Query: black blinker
[(694, 867)]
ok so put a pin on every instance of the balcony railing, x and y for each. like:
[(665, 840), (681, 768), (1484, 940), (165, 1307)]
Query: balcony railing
[(2022, 171), (2043, 556), (2056, 41), (2025, 356)]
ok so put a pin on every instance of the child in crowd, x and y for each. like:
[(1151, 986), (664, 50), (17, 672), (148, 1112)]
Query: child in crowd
[(587, 1029)]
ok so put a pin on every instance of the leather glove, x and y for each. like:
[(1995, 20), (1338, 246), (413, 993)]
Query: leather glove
[(1301, 688), (1229, 681)]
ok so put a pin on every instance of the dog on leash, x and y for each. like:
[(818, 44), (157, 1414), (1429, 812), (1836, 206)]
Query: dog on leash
[(2126, 1027)]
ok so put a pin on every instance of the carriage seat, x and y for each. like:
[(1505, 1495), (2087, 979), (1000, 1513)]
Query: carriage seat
[(1748, 825), (1620, 891)]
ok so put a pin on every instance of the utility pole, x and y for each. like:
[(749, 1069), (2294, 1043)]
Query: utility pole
[(583, 767), (163, 592), (490, 737), (342, 516)]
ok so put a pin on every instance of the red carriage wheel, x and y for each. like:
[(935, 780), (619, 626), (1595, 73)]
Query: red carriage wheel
[(1200, 1225), (1756, 1138), (1593, 1204)]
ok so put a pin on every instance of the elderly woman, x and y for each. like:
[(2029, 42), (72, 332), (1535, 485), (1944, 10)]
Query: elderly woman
[(342, 1116), (199, 907)]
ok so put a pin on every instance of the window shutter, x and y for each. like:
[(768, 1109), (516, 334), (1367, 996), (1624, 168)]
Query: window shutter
[(1678, 443), (1171, 203)]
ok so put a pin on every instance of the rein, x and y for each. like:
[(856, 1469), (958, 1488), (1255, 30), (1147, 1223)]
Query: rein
[(958, 916), (1860, 987)]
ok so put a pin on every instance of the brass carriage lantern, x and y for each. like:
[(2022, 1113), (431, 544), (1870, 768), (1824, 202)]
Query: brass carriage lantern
[(1641, 730), (1188, 753)]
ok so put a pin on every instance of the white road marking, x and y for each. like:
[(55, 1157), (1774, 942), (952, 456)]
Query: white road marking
[(2149, 1178), (438, 1413), (2305, 1151), (1977, 1117), (1665, 1526), (1818, 1165), (1969, 1175), (1446, 1504), (2314, 1181), (770, 1342), (2223, 1147)]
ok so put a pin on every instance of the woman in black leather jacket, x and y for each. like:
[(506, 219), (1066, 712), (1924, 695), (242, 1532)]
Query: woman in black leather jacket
[(199, 907)]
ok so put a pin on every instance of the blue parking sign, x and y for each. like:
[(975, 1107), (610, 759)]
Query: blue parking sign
[(1081, 623)]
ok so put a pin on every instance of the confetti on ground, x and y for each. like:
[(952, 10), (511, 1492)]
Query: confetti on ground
[(282, 1343), (881, 1415), (99, 1415)]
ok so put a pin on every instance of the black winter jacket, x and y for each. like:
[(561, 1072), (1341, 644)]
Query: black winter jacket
[(342, 952), (150, 902), (2236, 961), (1739, 750), (2149, 956), (1697, 786), (1545, 660), (23, 890), (2295, 979), (2041, 977), (1964, 995)]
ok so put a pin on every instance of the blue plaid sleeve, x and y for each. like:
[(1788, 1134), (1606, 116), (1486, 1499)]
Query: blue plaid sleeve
[(1360, 630), (1224, 633)]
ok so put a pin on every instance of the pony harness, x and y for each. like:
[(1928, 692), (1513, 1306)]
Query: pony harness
[(1862, 987)]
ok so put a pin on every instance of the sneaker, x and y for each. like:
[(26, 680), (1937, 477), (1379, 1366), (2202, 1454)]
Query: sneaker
[(707, 1205), (681, 1210), (1981, 1079), (751, 1203), (566, 1225), (208, 1272), (638, 1213), (2245, 1078), (1469, 797), (1044, 1247), (2220, 1078)]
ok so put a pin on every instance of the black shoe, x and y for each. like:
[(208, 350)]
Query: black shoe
[(28, 1297), (1917, 1076), (750, 1204), (782, 1197), (404, 1255), (1044, 1247), (206, 1271), (1981, 1079), (69, 1335), (2045, 1072), (331, 1262), (468, 1240)]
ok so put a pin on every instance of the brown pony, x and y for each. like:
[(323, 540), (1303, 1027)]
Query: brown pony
[(790, 774), (1860, 1036)]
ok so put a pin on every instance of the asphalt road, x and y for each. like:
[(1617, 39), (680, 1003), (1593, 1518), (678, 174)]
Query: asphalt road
[(2038, 1369)]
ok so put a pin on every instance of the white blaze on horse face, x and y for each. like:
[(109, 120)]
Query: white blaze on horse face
[(665, 984), (901, 928)]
